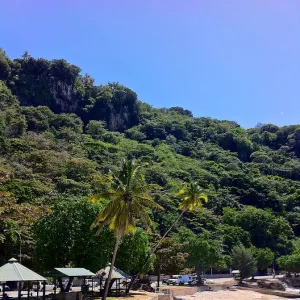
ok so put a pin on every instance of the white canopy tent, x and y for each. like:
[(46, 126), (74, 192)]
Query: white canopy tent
[(116, 273), (118, 277)]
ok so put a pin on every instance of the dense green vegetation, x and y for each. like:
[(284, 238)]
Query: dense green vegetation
[(243, 260), (60, 133)]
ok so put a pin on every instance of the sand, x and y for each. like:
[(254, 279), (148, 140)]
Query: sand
[(231, 295)]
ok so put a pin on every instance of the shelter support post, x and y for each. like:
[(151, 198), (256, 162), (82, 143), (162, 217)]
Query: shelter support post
[(3, 290), (28, 289), (83, 286), (44, 290), (19, 289), (38, 288), (54, 294)]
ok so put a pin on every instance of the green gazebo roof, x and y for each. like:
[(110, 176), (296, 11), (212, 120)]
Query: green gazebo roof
[(72, 272)]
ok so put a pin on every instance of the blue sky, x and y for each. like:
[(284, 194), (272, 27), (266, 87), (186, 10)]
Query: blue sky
[(226, 59)]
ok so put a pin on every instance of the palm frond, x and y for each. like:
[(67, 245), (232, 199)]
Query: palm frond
[(192, 197), (102, 196), (129, 198)]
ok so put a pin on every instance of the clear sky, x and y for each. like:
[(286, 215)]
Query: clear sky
[(228, 59)]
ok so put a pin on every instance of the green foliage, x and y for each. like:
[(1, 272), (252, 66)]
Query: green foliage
[(183, 235), (95, 129), (38, 118), (59, 133), (5, 69), (6, 96), (128, 197), (264, 257), (234, 235), (115, 104), (290, 263), (64, 237), (267, 230), (192, 197), (243, 260), (204, 253), (133, 252), (169, 257)]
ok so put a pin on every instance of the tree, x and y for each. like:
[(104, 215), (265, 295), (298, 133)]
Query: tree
[(192, 198), (181, 111), (26, 55), (15, 219), (128, 199), (243, 260), (78, 245), (266, 229), (203, 253), (290, 263), (234, 235), (169, 258), (64, 237), (47, 152), (133, 251), (95, 129), (293, 263), (5, 68), (264, 257)]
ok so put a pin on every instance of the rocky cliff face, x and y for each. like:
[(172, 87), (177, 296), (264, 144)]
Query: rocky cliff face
[(64, 96), (60, 86), (119, 120)]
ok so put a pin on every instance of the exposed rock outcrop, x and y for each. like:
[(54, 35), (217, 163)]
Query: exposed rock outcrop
[(271, 285)]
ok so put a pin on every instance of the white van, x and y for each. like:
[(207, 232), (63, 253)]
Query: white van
[(180, 280), (184, 279), (173, 280)]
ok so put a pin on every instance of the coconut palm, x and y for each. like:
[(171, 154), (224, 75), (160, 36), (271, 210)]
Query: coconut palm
[(192, 197), (128, 199)]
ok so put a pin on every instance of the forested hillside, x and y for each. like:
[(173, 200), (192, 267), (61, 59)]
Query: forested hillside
[(59, 133)]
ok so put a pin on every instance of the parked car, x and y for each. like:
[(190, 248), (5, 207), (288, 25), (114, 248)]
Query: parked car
[(173, 280), (194, 280), (6, 288), (164, 278), (49, 286), (91, 283), (209, 281)]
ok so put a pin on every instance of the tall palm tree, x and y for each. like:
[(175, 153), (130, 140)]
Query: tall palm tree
[(128, 198), (192, 197)]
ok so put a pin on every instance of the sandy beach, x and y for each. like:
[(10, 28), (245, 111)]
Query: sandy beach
[(232, 295)]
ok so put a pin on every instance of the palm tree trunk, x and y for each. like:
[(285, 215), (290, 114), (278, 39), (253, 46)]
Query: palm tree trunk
[(163, 237), (69, 284), (111, 268), (153, 250)]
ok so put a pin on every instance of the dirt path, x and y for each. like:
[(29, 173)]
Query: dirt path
[(232, 295)]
